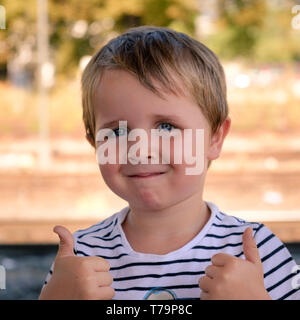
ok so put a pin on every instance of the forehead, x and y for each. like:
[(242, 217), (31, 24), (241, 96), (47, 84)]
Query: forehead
[(121, 95)]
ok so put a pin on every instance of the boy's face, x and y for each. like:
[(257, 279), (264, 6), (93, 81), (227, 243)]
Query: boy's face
[(120, 96)]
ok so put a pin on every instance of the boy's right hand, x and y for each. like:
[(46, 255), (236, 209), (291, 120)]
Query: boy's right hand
[(75, 277)]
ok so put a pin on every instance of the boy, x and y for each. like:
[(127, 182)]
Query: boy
[(168, 243)]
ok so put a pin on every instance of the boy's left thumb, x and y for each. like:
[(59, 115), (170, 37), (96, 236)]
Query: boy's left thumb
[(250, 249)]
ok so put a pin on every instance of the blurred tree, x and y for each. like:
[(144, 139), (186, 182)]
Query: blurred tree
[(244, 28), (278, 41), (78, 27), (240, 22), (256, 30)]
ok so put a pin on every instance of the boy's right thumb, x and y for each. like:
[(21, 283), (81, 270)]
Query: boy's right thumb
[(66, 241)]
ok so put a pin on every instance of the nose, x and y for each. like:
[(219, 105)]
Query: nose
[(136, 159), (144, 150)]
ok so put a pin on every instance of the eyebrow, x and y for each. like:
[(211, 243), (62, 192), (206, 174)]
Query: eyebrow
[(155, 118)]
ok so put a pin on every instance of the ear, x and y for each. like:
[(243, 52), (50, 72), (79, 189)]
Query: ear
[(216, 141)]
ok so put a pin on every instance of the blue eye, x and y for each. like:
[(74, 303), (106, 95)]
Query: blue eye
[(119, 131), (167, 125)]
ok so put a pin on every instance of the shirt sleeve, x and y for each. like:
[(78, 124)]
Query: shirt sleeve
[(281, 273), (49, 274)]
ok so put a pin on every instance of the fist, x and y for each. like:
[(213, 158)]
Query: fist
[(232, 278), (75, 277)]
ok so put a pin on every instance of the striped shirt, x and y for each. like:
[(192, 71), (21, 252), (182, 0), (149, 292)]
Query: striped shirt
[(175, 275)]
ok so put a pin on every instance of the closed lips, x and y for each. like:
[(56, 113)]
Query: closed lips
[(146, 174)]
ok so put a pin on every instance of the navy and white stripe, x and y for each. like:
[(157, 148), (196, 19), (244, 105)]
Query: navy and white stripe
[(136, 273)]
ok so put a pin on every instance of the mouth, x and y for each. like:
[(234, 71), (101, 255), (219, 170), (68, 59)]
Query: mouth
[(147, 175)]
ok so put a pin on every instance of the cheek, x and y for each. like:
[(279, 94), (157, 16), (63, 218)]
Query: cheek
[(182, 186), (109, 172), (184, 179), (190, 150)]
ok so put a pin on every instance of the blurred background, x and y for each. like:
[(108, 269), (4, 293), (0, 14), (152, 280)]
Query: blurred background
[(48, 171)]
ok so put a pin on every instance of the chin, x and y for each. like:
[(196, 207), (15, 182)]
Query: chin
[(148, 204)]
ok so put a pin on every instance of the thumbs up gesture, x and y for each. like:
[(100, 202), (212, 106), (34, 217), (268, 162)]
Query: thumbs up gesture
[(232, 278), (77, 277)]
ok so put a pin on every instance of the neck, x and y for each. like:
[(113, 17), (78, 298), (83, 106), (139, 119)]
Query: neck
[(184, 219)]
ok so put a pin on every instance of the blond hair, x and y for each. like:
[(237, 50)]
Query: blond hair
[(152, 53)]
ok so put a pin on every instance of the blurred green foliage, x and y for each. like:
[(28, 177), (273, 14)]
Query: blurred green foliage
[(102, 19), (257, 30), (241, 21)]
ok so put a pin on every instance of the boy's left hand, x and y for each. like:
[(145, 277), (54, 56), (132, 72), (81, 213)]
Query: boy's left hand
[(232, 278)]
